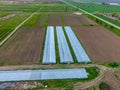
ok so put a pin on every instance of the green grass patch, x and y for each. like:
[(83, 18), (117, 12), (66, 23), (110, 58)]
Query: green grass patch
[(110, 28), (69, 84), (56, 47), (56, 8), (104, 86), (109, 19), (32, 21), (113, 64), (92, 7), (7, 26), (93, 72)]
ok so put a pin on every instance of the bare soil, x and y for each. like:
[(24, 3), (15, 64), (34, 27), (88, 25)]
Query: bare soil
[(77, 20), (112, 81), (54, 20), (24, 48), (100, 44)]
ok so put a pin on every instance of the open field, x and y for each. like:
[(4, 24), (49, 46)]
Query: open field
[(31, 1), (24, 47), (8, 25), (95, 7), (96, 40)]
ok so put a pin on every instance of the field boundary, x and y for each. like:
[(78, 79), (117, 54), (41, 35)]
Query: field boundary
[(92, 15), (4, 40)]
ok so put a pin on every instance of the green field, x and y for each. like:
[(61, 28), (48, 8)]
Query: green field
[(95, 8), (92, 8), (23, 11)]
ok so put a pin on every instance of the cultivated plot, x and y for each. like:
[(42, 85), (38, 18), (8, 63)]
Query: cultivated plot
[(23, 48), (100, 44)]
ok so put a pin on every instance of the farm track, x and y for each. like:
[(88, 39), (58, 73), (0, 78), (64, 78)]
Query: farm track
[(112, 81)]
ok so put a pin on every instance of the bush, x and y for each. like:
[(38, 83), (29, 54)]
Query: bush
[(114, 64), (104, 86)]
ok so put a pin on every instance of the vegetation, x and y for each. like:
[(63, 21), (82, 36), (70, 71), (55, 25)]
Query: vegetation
[(7, 26), (68, 84), (56, 8), (111, 28), (104, 86), (91, 7), (93, 72), (114, 64), (22, 11), (109, 19), (32, 21), (56, 47), (19, 8)]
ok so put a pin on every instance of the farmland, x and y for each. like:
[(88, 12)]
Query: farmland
[(92, 8), (58, 36), (100, 53)]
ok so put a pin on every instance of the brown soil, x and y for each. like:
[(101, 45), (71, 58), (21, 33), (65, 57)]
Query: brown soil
[(101, 44), (54, 20), (112, 81), (24, 48), (77, 20)]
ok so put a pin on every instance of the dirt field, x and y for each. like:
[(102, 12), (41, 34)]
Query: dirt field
[(100, 44), (54, 20), (24, 48), (76, 20)]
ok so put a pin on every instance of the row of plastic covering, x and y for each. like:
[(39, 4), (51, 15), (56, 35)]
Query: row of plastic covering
[(22, 75), (49, 56)]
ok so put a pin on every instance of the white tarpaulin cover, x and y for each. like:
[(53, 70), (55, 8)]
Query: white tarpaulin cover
[(21, 75)]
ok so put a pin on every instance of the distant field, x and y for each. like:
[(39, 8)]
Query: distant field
[(22, 11), (90, 7), (97, 8), (27, 45), (28, 35)]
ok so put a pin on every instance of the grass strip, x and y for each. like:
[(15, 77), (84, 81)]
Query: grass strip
[(56, 47)]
